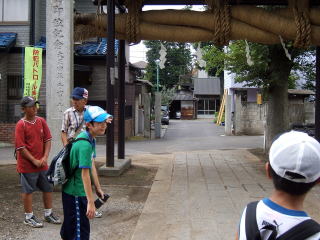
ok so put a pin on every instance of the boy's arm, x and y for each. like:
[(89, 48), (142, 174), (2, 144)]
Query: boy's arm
[(64, 128), (85, 174), (27, 155), (95, 179), (64, 138), (47, 148)]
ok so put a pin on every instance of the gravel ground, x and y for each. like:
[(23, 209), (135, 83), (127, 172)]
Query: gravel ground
[(120, 214)]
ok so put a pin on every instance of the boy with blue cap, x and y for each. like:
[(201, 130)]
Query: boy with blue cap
[(77, 196), (73, 122)]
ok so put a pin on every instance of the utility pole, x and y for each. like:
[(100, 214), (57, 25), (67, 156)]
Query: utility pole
[(157, 106), (157, 62)]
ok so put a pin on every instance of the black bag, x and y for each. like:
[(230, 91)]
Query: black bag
[(59, 171), (301, 231)]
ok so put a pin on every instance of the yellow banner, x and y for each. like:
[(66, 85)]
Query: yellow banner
[(259, 98), (32, 71)]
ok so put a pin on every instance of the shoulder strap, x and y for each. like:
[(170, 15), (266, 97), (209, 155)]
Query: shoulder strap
[(303, 230), (79, 139), (78, 129), (252, 230), (76, 140)]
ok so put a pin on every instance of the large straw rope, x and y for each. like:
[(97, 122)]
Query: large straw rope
[(133, 20), (99, 19), (301, 17), (246, 22), (221, 17)]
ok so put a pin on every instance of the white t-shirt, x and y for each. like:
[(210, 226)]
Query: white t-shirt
[(270, 213)]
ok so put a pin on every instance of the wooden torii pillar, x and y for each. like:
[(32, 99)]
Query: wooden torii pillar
[(110, 79)]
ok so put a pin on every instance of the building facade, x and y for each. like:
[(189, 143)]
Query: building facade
[(23, 23)]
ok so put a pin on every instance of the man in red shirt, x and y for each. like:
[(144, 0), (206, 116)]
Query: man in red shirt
[(33, 143)]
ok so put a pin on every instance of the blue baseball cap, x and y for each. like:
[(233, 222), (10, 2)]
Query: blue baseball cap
[(80, 93), (95, 114)]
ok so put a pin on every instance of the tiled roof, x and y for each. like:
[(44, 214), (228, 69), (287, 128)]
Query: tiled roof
[(206, 86), (182, 97), (94, 48), (86, 48), (7, 39)]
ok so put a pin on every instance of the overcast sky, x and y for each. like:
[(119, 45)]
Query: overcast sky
[(138, 52)]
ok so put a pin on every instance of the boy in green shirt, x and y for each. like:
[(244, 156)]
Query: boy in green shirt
[(77, 196)]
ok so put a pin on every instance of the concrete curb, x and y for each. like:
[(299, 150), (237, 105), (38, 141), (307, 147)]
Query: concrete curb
[(120, 165)]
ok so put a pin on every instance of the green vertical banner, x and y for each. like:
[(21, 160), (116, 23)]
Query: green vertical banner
[(32, 71)]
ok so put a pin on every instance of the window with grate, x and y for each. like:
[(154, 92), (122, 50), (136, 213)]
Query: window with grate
[(15, 87)]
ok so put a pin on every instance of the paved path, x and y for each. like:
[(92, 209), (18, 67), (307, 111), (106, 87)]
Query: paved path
[(181, 135), (197, 193), (201, 195)]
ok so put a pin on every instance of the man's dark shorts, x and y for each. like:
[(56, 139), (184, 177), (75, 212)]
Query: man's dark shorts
[(37, 181), (76, 224)]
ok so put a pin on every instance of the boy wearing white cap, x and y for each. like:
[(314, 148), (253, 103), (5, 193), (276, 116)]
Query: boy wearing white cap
[(77, 196), (294, 167)]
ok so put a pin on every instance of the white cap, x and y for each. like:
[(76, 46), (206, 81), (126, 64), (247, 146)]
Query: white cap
[(298, 153)]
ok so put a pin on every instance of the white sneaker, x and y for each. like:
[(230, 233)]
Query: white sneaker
[(33, 222), (52, 219)]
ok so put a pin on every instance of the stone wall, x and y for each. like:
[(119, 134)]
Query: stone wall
[(249, 118)]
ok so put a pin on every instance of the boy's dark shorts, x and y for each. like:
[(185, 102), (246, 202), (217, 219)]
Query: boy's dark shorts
[(76, 224), (36, 181)]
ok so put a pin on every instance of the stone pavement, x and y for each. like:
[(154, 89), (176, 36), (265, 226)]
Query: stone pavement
[(195, 195), (201, 195)]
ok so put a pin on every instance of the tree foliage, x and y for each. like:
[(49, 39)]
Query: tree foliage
[(178, 62), (167, 95), (308, 69), (272, 70), (234, 59)]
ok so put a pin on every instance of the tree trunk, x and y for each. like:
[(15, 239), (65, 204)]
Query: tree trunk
[(277, 120)]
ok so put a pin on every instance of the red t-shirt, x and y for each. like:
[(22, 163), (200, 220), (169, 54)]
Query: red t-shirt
[(31, 135)]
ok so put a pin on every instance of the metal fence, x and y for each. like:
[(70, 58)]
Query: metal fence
[(11, 113)]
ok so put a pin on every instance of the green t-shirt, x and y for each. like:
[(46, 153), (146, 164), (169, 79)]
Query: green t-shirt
[(80, 157)]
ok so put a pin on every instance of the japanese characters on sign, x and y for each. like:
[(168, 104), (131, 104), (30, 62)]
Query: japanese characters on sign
[(32, 71), (59, 54)]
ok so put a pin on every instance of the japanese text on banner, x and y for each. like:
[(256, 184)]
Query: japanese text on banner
[(32, 71)]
